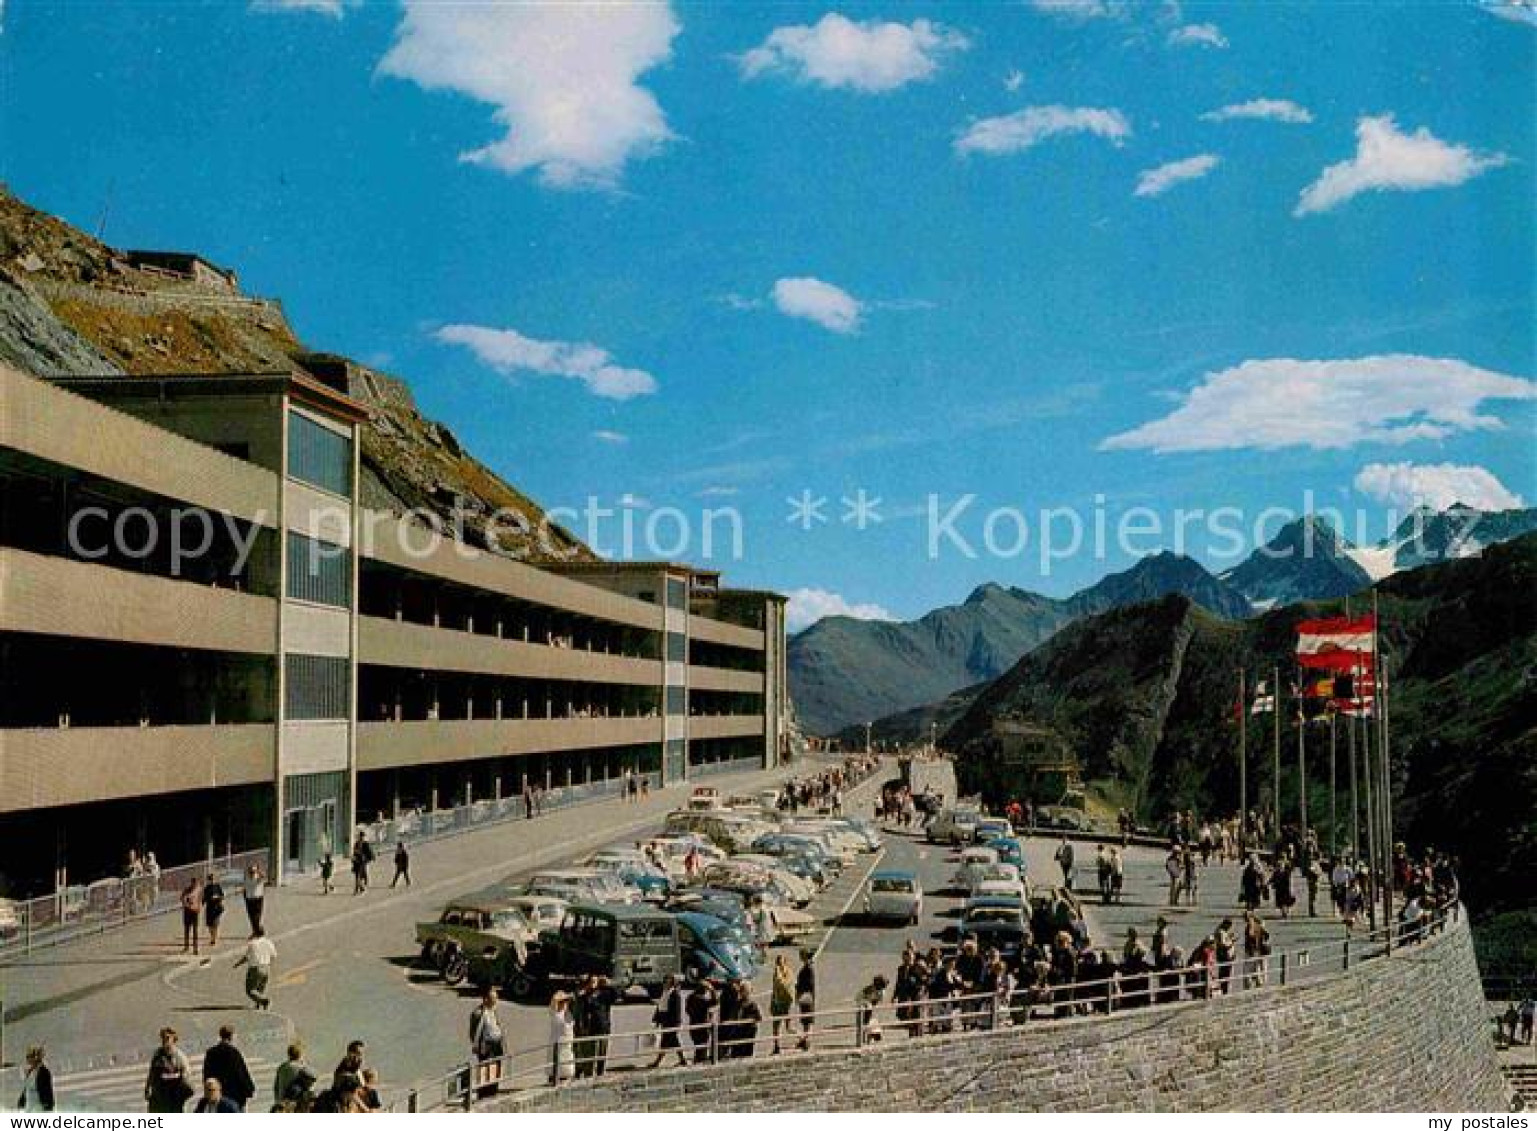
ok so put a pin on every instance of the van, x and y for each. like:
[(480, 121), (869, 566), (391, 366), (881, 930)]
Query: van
[(638, 947)]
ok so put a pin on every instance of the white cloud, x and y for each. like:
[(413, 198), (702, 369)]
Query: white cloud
[(1518, 11), (1261, 109), (1405, 486), (1197, 35), (333, 8), (606, 436), (828, 306), (1388, 158), (867, 55), (807, 606), (1153, 182), (1034, 124), (508, 351), (1079, 10), (563, 79), (1279, 403)]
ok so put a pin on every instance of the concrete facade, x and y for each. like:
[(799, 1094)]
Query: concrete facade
[(1402, 1033), (411, 669)]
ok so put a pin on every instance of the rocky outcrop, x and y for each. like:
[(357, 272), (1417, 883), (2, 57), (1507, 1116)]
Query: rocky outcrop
[(71, 305)]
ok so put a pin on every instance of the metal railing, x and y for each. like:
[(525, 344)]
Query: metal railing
[(420, 826), (89, 909), (712, 1041)]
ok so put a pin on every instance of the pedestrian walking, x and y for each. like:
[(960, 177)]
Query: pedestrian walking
[(260, 954), (191, 913), (213, 908), (867, 1001), (562, 1040), (1256, 950), (1117, 874), (402, 864), (36, 1083), (1225, 947), (1064, 858), (487, 1045), (168, 1085), (806, 995), (1174, 868), (254, 888), (362, 857), (214, 1101), (327, 870), (225, 1064)]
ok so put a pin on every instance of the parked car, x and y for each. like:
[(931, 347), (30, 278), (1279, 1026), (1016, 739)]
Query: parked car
[(894, 895), (584, 885), (996, 922), (468, 928), (973, 862), (992, 828), (999, 879), (650, 881), (637, 947), (1009, 850), (753, 880), (816, 848), (800, 890), (953, 826), (543, 912)]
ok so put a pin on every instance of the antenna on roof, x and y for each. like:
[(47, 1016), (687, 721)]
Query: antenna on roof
[(106, 210)]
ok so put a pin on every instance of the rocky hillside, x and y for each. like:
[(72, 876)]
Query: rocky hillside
[(1144, 696), (71, 305), (846, 672)]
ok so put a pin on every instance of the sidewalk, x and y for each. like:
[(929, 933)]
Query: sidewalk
[(96, 1003)]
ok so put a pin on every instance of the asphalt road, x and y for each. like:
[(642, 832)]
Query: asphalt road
[(347, 967)]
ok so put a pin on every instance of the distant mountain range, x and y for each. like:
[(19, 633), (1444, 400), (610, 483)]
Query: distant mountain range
[(905, 675), (1143, 696)]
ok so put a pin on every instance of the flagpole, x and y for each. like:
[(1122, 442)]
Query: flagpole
[(1374, 861), (1275, 787), (1243, 761), (1355, 790), (1333, 815), (1379, 695), (1302, 767)]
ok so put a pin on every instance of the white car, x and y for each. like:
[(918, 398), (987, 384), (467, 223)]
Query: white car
[(589, 883), (894, 895), (974, 861), (1000, 876), (801, 890), (543, 912)]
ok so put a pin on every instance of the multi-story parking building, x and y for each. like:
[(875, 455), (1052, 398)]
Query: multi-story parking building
[(206, 642)]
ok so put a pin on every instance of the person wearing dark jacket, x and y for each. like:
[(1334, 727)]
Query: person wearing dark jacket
[(595, 1001), (37, 1084), (669, 1019), (214, 1101), (806, 995), (226, 1064)]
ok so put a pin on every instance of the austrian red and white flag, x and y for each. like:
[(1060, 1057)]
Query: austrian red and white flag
[(1337, 634)]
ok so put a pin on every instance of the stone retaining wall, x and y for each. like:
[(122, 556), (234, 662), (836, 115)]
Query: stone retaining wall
[(1405, 1033)]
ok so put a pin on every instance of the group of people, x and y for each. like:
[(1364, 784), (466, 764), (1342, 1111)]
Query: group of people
[(202, 905), (227, 1085)]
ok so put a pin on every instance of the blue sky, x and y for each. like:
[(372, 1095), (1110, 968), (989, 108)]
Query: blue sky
[(720, 255)]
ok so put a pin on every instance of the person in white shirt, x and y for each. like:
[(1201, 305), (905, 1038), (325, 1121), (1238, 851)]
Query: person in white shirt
[(254, 889), (258, 958)]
